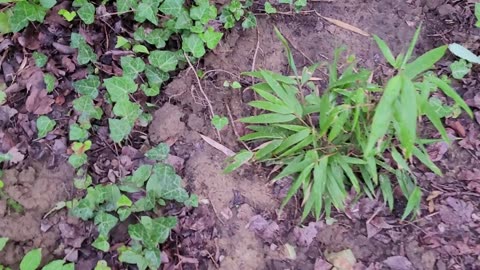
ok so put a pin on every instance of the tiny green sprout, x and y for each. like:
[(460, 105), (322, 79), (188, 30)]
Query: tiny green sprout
[(122, 43), (40, 59), (226, 84), (1, 184), (102, 265), (49, 80), (44, 126), (219, 122), (236, 85), (69, 16), (200, 74), (140, 49), (269, 9)]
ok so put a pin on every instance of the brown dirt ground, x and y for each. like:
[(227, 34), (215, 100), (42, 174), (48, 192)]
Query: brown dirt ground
[(237, 225)]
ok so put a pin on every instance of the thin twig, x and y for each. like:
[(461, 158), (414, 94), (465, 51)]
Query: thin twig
[(235, 130), (253, 67), (203, 93)]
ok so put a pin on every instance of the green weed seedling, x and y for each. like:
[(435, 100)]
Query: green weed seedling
[(353, 133), (462, 67)]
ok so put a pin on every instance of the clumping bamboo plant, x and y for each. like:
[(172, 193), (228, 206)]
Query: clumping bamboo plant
[(351, 134)]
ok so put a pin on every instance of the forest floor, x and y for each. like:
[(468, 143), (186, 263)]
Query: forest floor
[(237, 224)]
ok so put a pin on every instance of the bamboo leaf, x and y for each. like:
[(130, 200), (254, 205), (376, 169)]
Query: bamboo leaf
[(318, 188), (268, 149), (413, 202), (424, 62), (425, 159), (412, 45), (297, 183), (407, 112), (450, 92), (350, 174), (291, 140), (269, 106), (386, 187), (268, 118), (383, 113), (239, 159), (284, 41), (387, 53)]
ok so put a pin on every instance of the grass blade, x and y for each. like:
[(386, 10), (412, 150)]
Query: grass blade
[(318, 188), (433, 116), (387, 53), (383, 113), (424, 62), (401, 162)]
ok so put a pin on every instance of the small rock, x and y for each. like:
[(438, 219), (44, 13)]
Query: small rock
[(244, 212), (445, 10), (166, 124), (321, 264), (343, 259), (398, 263)]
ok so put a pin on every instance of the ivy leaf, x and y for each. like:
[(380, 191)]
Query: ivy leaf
[(211, 38), (250, 21), (126, 5), (67, 15), (23, 12), (193, 44), (3, 242), (141, 175), (85, 106), (102, 265), (5, 21), (48, 3), (203, 12), (183, 20), (101, 243), (155, 76), (152, 231), (132, 257), (172, 7), (44, 126), (49, 81), (128, 110), (192, 201), (164, 60), (158, 37), (40, 59), (166, 184), (139, 34), (87, 13), (132, 66), (152, 91), (158, 153), (119, 129), (77, 160), (88, 86), (147, 10), (124, 201), (120, 87), (153, 258), (58, 265), (124, 213), (219, 122), (83, 210), (105, 222), (85, 54), (460, 68), (140, 49), (31, 260)]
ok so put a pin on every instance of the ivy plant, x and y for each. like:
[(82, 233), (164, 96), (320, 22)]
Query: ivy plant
[(109, 204)]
